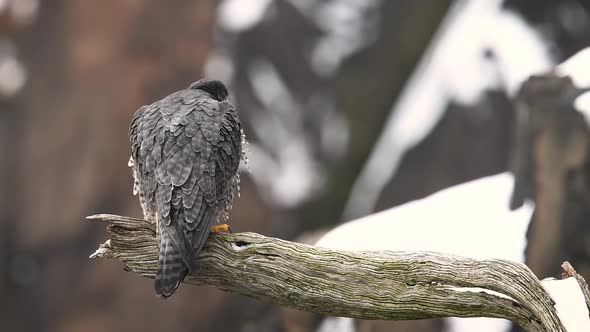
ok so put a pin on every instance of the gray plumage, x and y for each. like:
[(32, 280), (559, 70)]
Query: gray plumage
[(185, 153)]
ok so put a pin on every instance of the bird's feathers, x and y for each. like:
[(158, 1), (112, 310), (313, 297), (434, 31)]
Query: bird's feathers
[(171, 268), (186, 149)]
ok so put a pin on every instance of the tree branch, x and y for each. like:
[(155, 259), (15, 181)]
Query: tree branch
[(363, 285)]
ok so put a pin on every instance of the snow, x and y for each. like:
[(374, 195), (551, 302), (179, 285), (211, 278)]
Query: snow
[(454, 68), (240, 15), (337, 324), (471, 216), (13, 74), (468, 220), (219, 66), (520, 50), (285, 168), (347, 26), (577, 67), (24, 11), (335, 130), (582, 104), (570, 303)]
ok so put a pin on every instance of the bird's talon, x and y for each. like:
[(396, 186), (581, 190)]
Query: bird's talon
[(221, 228)]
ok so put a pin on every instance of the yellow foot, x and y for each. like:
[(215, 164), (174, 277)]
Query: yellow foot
[(221, 228)]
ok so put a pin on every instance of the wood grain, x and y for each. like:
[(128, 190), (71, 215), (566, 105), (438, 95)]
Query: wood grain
[(382, 285)]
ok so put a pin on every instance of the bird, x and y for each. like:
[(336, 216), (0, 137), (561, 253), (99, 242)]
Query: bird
[(185, 153)]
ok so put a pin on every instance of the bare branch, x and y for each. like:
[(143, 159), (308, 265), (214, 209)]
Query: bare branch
[(364, 285)]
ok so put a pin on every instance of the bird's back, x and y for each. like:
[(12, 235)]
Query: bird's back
[(186, 150)]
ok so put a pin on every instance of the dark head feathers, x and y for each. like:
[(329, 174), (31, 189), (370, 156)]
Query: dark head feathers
[(215, 88)]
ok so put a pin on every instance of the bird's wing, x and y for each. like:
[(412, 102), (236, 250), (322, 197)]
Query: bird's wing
[(215, 180), (180, 145), (141, 134)]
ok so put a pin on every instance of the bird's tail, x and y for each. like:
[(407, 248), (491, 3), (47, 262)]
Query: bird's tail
[(171, 267)]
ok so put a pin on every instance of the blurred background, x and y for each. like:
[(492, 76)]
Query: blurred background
[(350, 107)]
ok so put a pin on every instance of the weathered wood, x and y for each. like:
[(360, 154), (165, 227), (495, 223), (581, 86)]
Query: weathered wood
[(364, 285)]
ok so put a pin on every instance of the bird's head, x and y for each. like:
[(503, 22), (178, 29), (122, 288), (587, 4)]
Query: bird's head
[(215, 88)]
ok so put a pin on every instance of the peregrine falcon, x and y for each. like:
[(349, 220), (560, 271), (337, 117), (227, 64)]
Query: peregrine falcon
[(185, 153)]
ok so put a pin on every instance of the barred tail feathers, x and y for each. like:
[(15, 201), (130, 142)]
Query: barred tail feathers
[(171, 266)]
